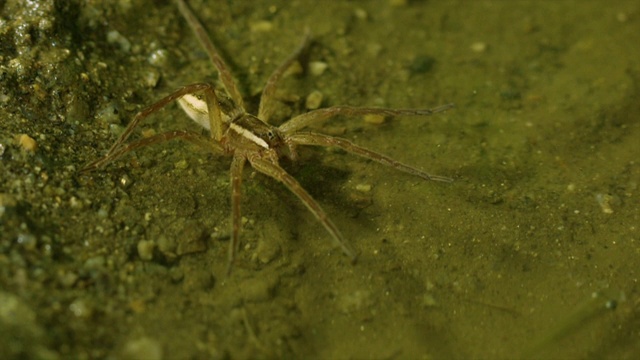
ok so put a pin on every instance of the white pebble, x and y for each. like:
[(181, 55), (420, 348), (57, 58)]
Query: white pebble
[(151, 77), (142, 348), (479, 47), (158, 57), (361, 14), (317, 68), (374, 119), (314, 100), (363, 187), (261, 26), (145, 249), (114, 37)]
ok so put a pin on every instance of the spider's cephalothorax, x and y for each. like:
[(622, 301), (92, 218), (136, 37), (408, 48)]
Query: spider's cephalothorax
[(248, 138), (255, 133)]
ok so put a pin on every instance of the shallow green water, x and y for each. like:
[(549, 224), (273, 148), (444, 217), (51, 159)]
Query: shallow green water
[(543, 211)]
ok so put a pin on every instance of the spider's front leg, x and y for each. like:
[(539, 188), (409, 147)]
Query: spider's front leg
[(309, 138), (223, 70), (268, 92), (317, 116)]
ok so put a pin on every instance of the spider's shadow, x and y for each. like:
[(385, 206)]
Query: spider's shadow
[(325, 183)]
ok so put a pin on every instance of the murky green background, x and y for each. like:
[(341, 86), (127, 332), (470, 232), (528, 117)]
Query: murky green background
[(128, 261)]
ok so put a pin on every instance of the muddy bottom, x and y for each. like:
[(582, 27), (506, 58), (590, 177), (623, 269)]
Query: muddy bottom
[(531, 252)]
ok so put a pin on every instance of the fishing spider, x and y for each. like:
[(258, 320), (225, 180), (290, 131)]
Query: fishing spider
[(246, 137)]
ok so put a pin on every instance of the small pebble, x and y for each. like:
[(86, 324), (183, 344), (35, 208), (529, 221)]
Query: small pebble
[(607, 202), (266, 253), (317, 68), (7, 201), (622, 17), (68, 279), (114, 37), (27, 142), (363, 187), (361, 14), (151, 77), (147, 133), (314, 100), (191, 241), (158, 57), (181, 165), (27, 241), (145, 249), (479, 47), (125, 181), (176, 274), (109, 114), (167, 245), (261, 26), (142, 348), (374, 119), (429, 301), (94, 263), (80, 308), (75, 203)]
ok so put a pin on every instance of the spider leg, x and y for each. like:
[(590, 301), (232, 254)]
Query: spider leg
[(309, 138), (237, 164), (189, 89), (156, 139), (276, 172), (118, 149), (206, 113), (223, 70), (303, 120), (266, 100)]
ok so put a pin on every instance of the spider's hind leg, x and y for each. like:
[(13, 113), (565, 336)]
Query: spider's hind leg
[(237, 164), (119, 148)]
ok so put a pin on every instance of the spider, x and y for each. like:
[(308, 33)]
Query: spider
[(250, 138)]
